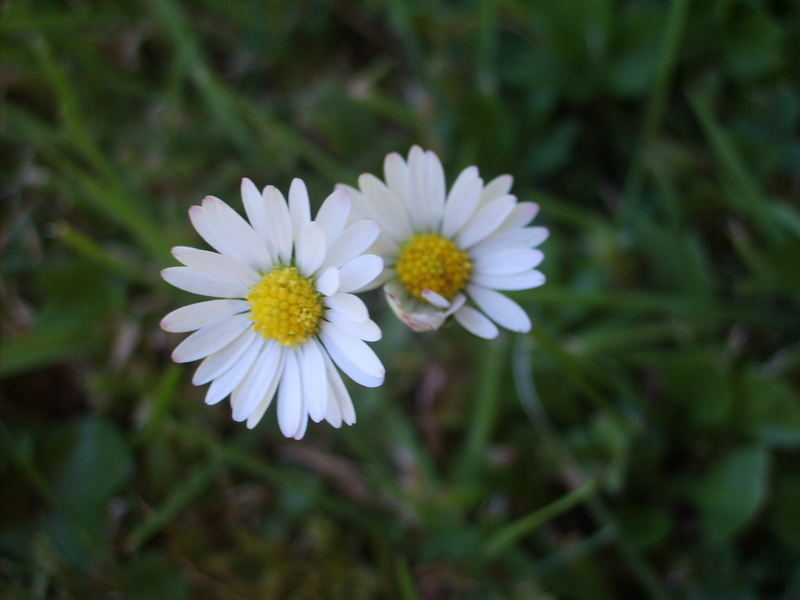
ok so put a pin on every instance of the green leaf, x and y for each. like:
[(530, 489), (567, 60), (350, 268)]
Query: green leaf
[(754, 47), (90, 461), (731, 492), (696, 385), (612, 436), (772, 411), (152, 575), (77, 296), (87, 461), (44, 346), (645, 526), (785, 517)]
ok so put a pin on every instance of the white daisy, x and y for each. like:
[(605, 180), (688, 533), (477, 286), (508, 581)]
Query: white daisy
[(447, 253), (287, 313)]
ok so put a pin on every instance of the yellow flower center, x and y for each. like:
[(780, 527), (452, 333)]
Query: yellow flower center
[(430, 261), (286, 307)]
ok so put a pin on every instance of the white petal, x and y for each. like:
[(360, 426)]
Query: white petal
[(315, 380), (341, 394), (269, 394), (248, 394), (523, 213), (416, 315), (499, 186), (463, 178), (352, 242), (290, 396), (256, 209), (384, 246), (386, 275), (299, 207), (435, 188), (224, 384), (219, 265), (328, 282), (457, 303), (362, 207), (398, 179), (332, 215), (333, 414), (476, 323), (311, 249), (209, 339), (352, 356), (508, 262), (216, 364), (244, 242), (500, 308), (280, 222), (359, 272), (419, 205), (204, 225), (526, 237), (462, 201), (301, 428), (349, 305), (520, 281), (195, 316), (359, 207), (197, 282), (383, 206), (436, 299), (485, 221), (364, 330)]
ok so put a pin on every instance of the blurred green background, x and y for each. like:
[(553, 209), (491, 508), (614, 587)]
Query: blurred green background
[(641, 442)]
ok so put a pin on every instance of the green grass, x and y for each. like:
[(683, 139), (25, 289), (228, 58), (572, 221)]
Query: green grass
[(641, 442)]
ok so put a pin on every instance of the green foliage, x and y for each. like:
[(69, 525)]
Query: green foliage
[(642, 441), (79, 467), (731, 492)]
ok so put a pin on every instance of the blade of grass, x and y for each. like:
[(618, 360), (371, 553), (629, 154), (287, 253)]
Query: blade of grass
[(744, 191), (21, 456), (43, 21), (400, 14), (234, 456), (596, 342), (673, 31), (586, 547), (39, 348), (556, 208), (103, 195), (95, 253), (217, 97), (484, 414), (73, 119), (405, 580), (162, 401), (579, 371), (513, 532), (236, 114), (686, 306), (486, 47), (82, 140), (571, 471), (402, 433), (181, 495), (282, 139)]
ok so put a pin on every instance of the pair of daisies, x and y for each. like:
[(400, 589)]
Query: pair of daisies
[(287, 318)]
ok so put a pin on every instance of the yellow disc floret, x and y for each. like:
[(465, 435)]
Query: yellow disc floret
[(430, 261), (285, 306)]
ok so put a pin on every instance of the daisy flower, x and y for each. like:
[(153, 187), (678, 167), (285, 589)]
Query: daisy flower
[(286, 316), (448, 253)]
